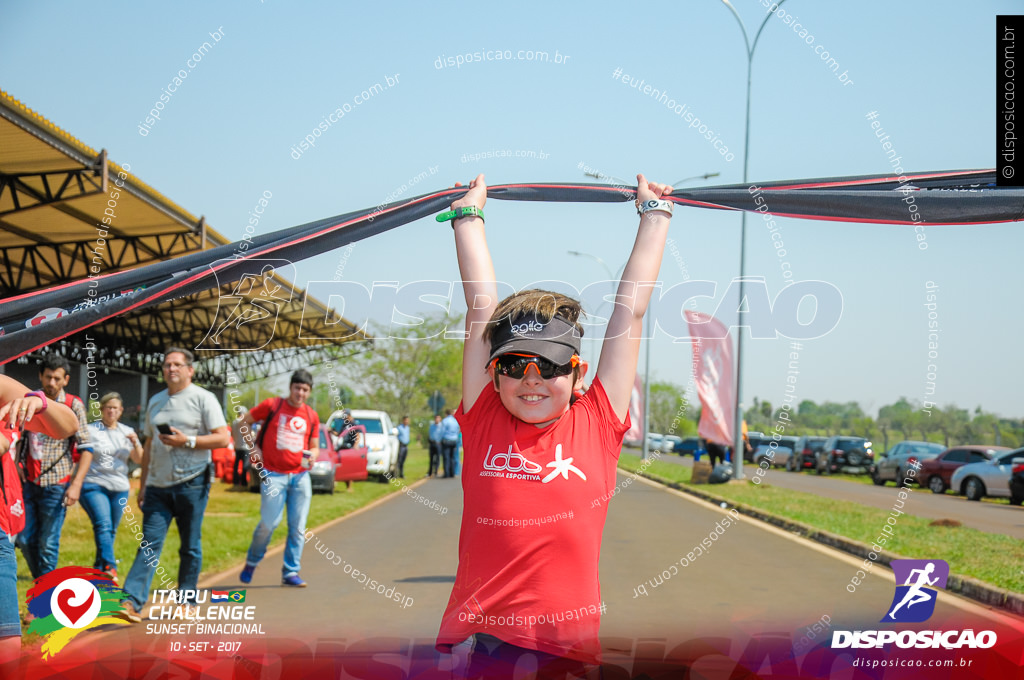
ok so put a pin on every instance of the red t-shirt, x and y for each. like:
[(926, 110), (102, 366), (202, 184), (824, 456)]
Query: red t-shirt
[(287, 434), (531, 538)]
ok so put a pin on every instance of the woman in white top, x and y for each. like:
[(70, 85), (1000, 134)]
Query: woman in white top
[(105, 488)]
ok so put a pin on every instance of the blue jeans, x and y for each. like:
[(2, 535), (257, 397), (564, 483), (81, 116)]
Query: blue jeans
[(44, 517), (10, 622), (185, 504), (449, 450), (278, 491), (105, 510), (435, 458)]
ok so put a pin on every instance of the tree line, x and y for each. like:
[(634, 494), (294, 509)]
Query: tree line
[(399, 370)]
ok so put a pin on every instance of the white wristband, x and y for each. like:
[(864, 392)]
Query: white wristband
[(653, 204), (191, 442)]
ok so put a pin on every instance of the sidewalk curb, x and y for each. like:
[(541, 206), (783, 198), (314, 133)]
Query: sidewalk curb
[(966, 586)]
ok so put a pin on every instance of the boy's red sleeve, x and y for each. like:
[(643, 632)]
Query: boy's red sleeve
[(608, 426), (481, 409)]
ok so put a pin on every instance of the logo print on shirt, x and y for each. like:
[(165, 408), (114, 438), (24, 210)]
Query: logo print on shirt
[(510, 462), (297, 424), (562, 467)]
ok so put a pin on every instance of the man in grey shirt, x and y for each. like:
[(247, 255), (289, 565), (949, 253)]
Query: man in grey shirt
[(183, 423)]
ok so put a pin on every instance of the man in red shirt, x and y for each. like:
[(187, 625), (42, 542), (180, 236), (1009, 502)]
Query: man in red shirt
[(290, 428), (536, 456)]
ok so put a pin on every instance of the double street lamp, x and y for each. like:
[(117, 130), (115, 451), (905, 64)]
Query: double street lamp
[(737, 448)]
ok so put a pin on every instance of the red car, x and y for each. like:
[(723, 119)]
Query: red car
[(333, 466), (330, 466), (936, 472)]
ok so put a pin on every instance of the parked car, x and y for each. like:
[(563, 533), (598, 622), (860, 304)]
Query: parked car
[(655, 441), (690, 445), (936, 472), (325, 470), (333, 465), (321, 476), (803, 453), (894, 464), (991, 478), (381, 438), (1017, 485), (842, 453), (755, 439), (669, 442), (783, 451)]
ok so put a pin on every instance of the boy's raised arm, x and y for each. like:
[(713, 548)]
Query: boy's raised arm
[(621, 348), (477, 271)]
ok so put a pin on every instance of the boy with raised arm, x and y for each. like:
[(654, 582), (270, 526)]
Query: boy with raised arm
[(527, 585)]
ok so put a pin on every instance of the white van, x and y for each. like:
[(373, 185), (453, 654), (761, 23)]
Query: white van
[(381, 438)]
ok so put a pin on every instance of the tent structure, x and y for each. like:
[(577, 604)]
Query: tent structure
[(71, 214)]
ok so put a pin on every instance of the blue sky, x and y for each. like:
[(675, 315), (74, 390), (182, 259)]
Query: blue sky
[(225, 137)]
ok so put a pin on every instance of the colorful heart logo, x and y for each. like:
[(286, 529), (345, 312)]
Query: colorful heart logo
[(75, 603), (73, 612)]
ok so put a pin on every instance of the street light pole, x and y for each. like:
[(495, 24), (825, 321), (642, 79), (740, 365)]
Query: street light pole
[(647, 377), (737, 448)]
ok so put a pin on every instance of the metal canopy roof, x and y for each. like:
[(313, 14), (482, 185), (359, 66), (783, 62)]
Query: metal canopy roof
[(54, 191)]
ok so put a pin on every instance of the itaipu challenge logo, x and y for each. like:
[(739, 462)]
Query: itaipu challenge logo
[(69, 600)]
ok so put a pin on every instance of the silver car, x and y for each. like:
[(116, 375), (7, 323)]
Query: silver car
[(991, 478), (892, 466), (779, 454)]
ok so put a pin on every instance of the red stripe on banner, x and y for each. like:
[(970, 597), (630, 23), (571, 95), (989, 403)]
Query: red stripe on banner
[(875, 180), (49, 289)]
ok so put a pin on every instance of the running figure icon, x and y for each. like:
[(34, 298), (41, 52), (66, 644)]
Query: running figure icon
[(255, 297), (916, 594)]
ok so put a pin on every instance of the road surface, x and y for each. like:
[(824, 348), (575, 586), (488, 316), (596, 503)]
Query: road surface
[(755, 582)]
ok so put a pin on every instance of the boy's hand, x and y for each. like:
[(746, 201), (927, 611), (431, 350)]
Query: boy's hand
[(477, 195), (648, 191)]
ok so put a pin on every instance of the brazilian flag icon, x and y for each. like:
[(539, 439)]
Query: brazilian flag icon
[(237, 596)]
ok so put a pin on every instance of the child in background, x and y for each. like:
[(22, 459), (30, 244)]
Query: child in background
[(533, 451)]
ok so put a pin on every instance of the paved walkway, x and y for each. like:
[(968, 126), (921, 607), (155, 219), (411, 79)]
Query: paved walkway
[(754, 580)]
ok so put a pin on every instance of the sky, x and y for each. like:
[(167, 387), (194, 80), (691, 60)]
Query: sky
[(231, 132)]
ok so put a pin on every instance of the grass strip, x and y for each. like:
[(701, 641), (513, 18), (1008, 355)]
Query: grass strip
[(228, 524), (996, 559)]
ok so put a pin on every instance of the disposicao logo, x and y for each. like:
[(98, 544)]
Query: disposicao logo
[(917, 577), (917, 584), (69, 600)]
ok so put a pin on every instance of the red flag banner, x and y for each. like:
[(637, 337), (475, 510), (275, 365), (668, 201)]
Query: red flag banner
[(712, 363)]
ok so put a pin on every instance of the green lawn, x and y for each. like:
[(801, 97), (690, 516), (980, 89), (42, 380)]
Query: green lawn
[(228, 524), (993, 558)]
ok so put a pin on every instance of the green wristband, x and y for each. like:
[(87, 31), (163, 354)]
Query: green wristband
[(468, 211)]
